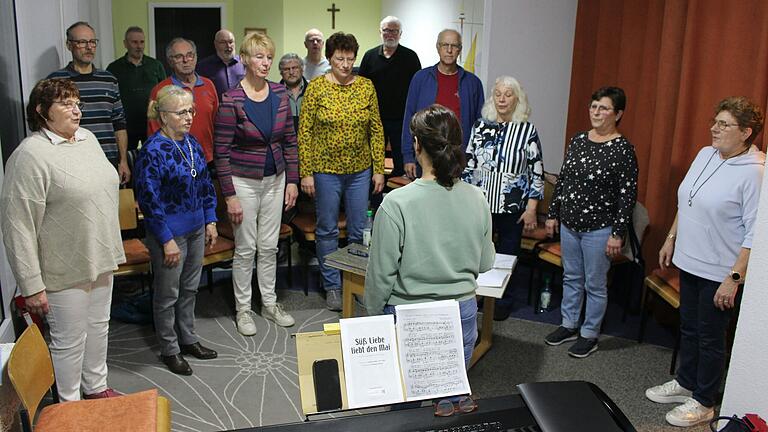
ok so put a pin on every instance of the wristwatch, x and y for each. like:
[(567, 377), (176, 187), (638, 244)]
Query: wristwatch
[(736, 276)]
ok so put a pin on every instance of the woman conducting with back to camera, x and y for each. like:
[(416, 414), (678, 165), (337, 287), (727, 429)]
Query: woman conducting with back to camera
[(59, 216), (433, 237), (175, 193), (504, 160), (592, 207), (710, 241)]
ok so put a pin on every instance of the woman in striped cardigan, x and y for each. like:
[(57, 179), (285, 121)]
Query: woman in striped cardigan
[(257, 163), (504, 160)]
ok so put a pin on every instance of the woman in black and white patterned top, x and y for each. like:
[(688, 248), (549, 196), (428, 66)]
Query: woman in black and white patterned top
[(592, 207), (504, 160)]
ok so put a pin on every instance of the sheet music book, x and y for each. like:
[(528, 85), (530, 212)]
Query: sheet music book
[(493, 282), (420, 357)]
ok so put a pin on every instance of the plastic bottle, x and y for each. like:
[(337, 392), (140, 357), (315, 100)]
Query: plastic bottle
[(546, 296), (368, 229)]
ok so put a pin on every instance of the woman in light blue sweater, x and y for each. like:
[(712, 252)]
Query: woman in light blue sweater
[(432, 237), (710, 242)]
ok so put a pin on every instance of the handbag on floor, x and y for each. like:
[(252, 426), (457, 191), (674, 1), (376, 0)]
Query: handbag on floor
[(748, 423)]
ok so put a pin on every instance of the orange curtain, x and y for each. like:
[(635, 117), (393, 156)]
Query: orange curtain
[(675, 60)]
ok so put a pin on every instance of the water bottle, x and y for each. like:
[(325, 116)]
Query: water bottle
[(546, 296), (368, 229)]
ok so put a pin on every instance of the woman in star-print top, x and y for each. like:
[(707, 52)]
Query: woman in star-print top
[(592, 206)]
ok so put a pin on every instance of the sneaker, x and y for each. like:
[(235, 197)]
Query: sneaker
[(583, 347), (245, 324), (669, 392), (333, 300), (690, 413), (276, 314), (561, 335), (108, 393)]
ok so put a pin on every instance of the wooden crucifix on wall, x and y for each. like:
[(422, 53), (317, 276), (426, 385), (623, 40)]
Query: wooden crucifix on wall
[(333, 11)]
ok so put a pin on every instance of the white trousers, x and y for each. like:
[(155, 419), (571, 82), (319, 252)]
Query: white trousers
[(262, 203), (79, 324)]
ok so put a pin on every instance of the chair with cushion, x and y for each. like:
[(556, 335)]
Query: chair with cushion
[(664, 284), (304, 224), (137, 260), (31, 373)]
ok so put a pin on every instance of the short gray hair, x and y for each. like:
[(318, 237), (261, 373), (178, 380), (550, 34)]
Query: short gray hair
[(288, 57), (174, 41), (76, 25), (391, 19), (449, 30), (133, 29)]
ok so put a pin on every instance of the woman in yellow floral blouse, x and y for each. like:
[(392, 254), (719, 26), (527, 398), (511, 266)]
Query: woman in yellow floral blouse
[(341, 147)]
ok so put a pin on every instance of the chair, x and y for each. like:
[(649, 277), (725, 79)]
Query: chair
[(664, 284), (398, 182), (31, 372), (137, 259), (304, 225), (531, 239)]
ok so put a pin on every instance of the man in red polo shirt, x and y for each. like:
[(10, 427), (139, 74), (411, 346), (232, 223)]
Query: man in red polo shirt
[(182, 56)]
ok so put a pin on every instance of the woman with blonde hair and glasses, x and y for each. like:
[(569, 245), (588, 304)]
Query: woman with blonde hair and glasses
[(257, 163), (504, 160), (175, 193)]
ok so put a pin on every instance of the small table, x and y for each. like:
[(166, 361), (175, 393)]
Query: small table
[(353, 269)]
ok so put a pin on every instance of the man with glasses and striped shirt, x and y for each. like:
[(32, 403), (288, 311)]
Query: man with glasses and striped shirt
[(102, 110)]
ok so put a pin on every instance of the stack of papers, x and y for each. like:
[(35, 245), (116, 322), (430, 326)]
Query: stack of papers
[(493, 282)]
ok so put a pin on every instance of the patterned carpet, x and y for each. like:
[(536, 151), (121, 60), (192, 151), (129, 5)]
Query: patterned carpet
[(253, 381)]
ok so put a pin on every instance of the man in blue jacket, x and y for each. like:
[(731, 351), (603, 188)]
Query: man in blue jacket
[(447, 84)]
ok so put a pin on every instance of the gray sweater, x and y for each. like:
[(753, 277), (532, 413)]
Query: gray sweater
[(59, 212)]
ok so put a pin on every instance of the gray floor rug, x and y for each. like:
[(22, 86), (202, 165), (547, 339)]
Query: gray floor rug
[(254, 380)]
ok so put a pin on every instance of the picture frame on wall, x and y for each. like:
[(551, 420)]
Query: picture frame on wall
[(248, 30)]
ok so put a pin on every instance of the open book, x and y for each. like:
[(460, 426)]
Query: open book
[(493, 282), (421, 357)]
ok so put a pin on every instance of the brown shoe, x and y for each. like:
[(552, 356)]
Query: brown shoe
[(108, 393), (199, 351), (177, 364)]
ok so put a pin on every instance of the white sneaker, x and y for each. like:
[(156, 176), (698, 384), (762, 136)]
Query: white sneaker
[(245, 324), (669, 392), (690, 413), (277, 314)]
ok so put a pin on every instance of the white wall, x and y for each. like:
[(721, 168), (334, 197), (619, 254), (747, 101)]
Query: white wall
[(423, 20), (42, 45), (532, 40), (746, 388)]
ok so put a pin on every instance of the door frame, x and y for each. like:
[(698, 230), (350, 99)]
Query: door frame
[(152, 6)]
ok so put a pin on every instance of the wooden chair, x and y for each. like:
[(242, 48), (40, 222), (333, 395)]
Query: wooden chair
[(664, 284), (531, 239), (31, 372), (304, 225), (137, 260), (398, 182)]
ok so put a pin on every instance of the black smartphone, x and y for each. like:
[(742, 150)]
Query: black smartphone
[(325, 374)]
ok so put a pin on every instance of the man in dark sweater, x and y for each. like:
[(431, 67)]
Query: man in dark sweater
[(136, 75), (391, 66)]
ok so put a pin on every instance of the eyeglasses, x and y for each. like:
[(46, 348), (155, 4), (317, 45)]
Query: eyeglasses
[(182, 113), (290, 69), (82, 43), (390, 31), (315, 41), (71, 105), (721, 124), (180, 57), (446, 408), (443, 45), (602, 109)]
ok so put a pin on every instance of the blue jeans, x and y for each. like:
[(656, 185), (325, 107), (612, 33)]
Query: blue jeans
[(468, 313), (329, 190), (585, 270), (702, 338)]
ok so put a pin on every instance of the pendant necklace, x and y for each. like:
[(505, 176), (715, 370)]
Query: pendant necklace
[(192, 170), (692, 193)]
